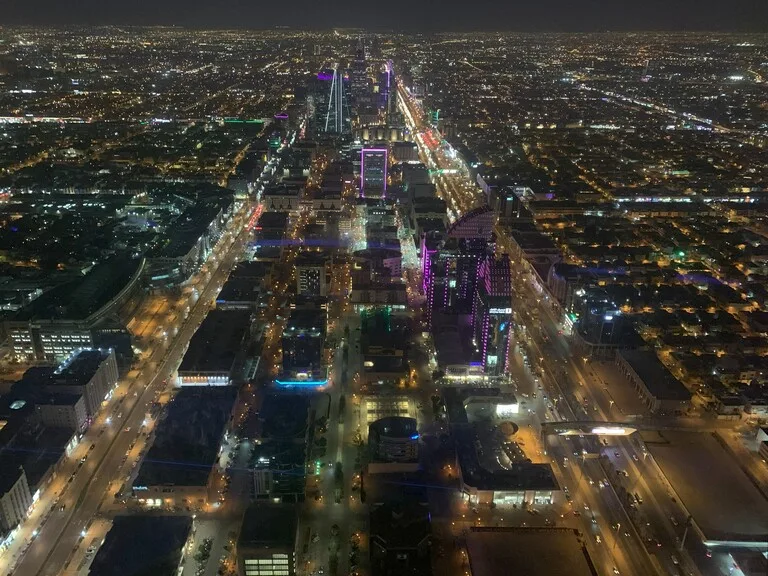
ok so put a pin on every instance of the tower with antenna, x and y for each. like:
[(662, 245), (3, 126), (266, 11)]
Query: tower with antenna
[(334, 117)]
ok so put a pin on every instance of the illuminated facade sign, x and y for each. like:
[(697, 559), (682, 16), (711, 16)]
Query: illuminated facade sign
[(500, 311)]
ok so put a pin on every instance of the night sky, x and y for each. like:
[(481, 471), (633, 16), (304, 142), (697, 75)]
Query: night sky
[(407, 15)]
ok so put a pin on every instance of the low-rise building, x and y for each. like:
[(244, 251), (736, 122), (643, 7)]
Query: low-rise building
[(215, 353), (659, 389), (267, 542), (191, 433), (155, 545), (393, 440)]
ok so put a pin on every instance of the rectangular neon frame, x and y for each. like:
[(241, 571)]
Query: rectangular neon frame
[(362, 169), (302, 383)]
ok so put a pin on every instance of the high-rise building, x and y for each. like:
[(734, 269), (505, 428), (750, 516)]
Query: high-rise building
[(337, 115), (492, 314), (451, 271), (373, 172), (359, 74)]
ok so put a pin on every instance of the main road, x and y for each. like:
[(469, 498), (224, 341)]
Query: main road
[(611, 520)]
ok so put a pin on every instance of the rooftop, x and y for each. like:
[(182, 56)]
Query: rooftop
[(529, 551), (138, 545), (217, 342), (81, 298), (268, 526), (722, 499), (187, 440), (80, 368), (402, 525), (394, 427), (660, 381)]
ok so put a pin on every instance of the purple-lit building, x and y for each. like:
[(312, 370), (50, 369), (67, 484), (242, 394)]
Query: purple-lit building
[(451, 270), (373, 172), (492, 314)]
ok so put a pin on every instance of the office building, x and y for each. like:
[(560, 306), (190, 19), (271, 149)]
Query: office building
[(89, 373), (451, 268), (373, 172), (303, 341), (15, 499), (492, 314), (63, 411), (267, 542), (312, 274), (359, 84), (73, 316), (394, 439)]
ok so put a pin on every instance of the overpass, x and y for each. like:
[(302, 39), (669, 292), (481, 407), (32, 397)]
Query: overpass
[(589, 428)]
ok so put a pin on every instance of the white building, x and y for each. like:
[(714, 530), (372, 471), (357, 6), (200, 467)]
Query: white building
[(15, 499)]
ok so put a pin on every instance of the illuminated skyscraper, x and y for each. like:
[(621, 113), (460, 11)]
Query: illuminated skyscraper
[(492, 314), (336, 121), (359, 76), (373, 172), (451, 269)]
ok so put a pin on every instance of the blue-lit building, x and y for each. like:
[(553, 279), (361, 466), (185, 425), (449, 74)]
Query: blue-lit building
[(303, 341)]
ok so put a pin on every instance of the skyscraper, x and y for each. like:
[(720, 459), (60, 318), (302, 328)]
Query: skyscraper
[(451, 272), (359, 76), (373, 172), (492, 314), (336, 117)]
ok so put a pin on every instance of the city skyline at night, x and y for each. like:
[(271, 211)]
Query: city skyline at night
[(330, 299)]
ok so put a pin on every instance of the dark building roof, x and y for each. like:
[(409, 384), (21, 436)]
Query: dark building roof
[(250, 270), (9, 475), (80, 369), (394, 427), (217, 342), (142, 545), (659, 381), (268, 526), (285, 416), (79, 299), (187, 440), (529, 551), (402, 525), (189, 227)]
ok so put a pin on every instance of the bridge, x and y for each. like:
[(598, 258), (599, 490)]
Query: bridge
[(589, 428)]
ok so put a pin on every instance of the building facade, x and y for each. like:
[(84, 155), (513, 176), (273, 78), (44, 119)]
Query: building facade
[(373, 172)]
